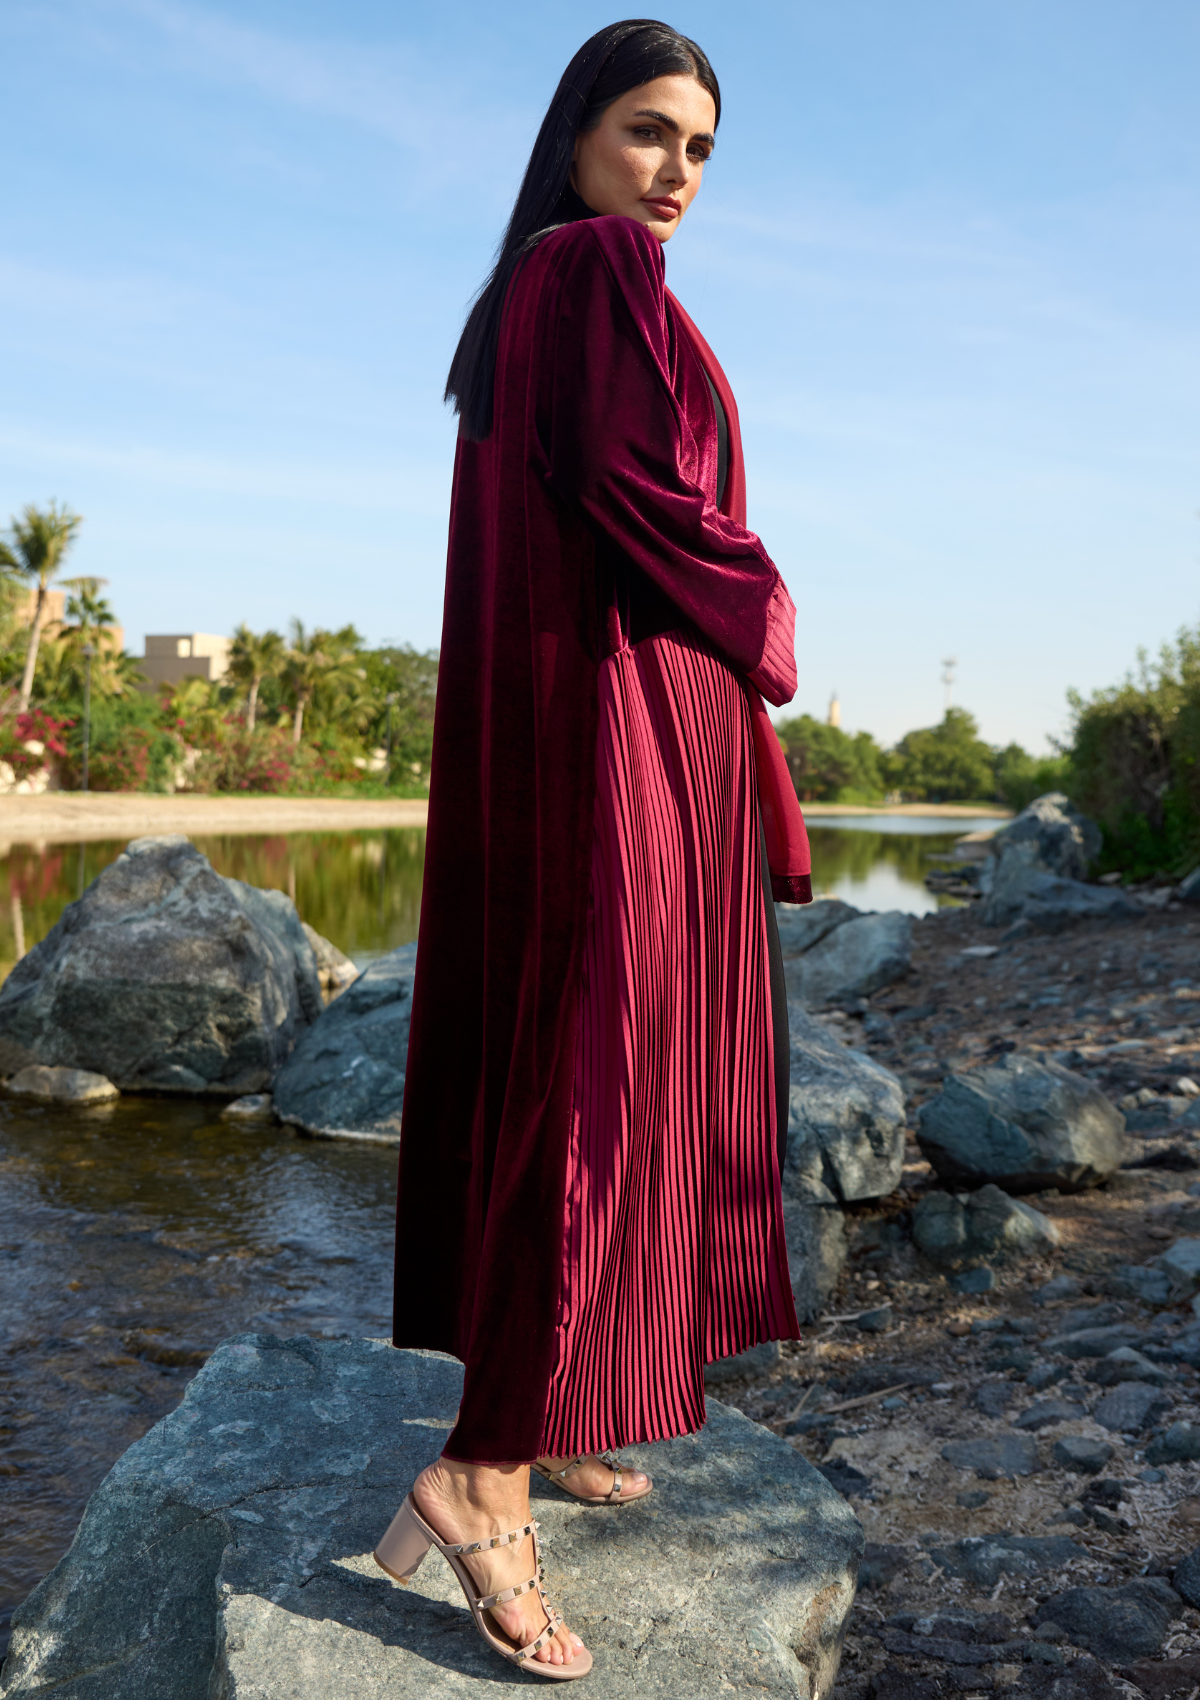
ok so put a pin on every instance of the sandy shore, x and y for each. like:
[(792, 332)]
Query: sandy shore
[(62, 816)]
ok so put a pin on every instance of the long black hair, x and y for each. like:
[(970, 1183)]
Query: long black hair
[(622, 57)]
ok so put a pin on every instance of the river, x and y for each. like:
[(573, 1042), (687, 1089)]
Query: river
[(135, 1236)]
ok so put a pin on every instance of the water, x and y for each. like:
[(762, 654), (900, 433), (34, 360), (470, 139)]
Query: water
[(134, 1237), (880, 861)]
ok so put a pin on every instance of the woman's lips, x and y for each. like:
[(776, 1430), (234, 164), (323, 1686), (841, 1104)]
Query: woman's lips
[(671, 209)]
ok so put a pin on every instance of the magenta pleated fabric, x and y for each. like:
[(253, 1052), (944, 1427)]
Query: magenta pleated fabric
[(674, 1250)]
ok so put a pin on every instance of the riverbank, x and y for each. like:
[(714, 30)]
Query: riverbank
[(60, 817)]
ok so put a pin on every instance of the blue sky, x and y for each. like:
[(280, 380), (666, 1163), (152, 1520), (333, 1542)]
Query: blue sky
[(948, 251)]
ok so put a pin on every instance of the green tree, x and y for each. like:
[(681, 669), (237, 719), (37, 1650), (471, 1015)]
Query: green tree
[(408, 677), (36, 547), (1135, 761), (949, 763), (324, 663), (253, 657), (828, 765), (1020, 777)]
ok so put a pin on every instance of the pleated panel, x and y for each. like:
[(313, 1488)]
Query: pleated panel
[(674, 1250)]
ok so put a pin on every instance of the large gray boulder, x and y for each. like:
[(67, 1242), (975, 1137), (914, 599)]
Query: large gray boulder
[(840, 954), (164, 977), (845, 1121), (345, 1079), (817, 1249), (1024, 1124), (1061, 840), (1023, 891), (960, 1230), (228, 1553)]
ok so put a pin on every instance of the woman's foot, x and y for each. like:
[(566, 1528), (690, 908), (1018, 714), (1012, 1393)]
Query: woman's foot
[(594, 1479), (470, 1502)]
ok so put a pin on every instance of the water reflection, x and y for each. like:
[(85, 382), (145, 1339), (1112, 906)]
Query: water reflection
[(362, 890), (881, 862)]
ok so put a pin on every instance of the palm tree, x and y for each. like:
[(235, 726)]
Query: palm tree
[(37, 546), (253, 658), (313, 659)]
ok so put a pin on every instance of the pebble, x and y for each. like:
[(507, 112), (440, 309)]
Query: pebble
[(980, 1280), (1085, 1457), (994, 1459), (974, 1499), (1047, 1412), (1044, 1375), (993, 1397), (1061, 1287), (1130, 1407), (875, 1321), (1181, 1441)]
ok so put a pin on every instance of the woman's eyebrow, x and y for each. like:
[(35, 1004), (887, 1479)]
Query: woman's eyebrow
[(661, 117)]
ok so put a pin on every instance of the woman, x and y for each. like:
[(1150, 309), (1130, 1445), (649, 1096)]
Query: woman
[(589, 1204)]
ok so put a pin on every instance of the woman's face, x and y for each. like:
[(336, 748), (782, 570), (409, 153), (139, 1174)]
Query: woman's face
[(646, 156)]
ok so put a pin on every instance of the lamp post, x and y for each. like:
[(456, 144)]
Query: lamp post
[(88, 651), (392, 698)]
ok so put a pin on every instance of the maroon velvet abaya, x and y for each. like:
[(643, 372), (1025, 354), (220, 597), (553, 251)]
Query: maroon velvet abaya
[(590, 503)]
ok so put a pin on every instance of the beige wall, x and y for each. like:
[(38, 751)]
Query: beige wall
[(172, 657)]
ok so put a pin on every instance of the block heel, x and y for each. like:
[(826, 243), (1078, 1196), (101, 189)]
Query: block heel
[(404, 1545)]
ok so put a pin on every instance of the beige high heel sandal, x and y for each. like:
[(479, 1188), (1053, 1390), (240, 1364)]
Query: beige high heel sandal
[(407, 1540), (611, 1462)]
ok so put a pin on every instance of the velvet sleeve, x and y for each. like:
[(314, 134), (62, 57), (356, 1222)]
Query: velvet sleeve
[(618, 445)]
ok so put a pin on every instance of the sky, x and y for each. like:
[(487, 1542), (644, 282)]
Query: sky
[(947, 251)]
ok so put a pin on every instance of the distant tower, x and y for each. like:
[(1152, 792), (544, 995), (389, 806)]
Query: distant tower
[(834, 716), (948, 666)]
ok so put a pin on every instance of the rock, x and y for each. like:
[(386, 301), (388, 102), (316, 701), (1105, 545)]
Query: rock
[(1180, 1263), (817, 1251), (345, 1079), (1160, 1679), (845, 1121), (1094, 1342), (1088, 1316), (843, 1476), (164, 977), (1062, 840), (994, 1458), (1044, 1375), (62, 1085), (952, 1230), (981, 1279), (874, 1321), (758, 1360), (1125, 1365), (983, 1559), (228, 1552), (1186, 1578), (1132, 1281), (1085, 1457), (1115, 1623), (1180, 1443), (973, 1500), (881, 1564), (853, 959), (1131, 1407), (1025, 888), (1046, 1413), (254, 1107), (1023, 1124), (994, 1397), (1060, 1287), (802, 925), (335, 971)]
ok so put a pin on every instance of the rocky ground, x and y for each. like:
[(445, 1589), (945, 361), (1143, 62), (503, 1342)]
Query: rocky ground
[(1039, 1556)]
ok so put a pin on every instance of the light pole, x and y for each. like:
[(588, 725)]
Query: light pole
[(88, 651)]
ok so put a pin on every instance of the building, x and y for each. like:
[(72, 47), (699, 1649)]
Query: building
[(54, 618), (834, 717), (171, 658)]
